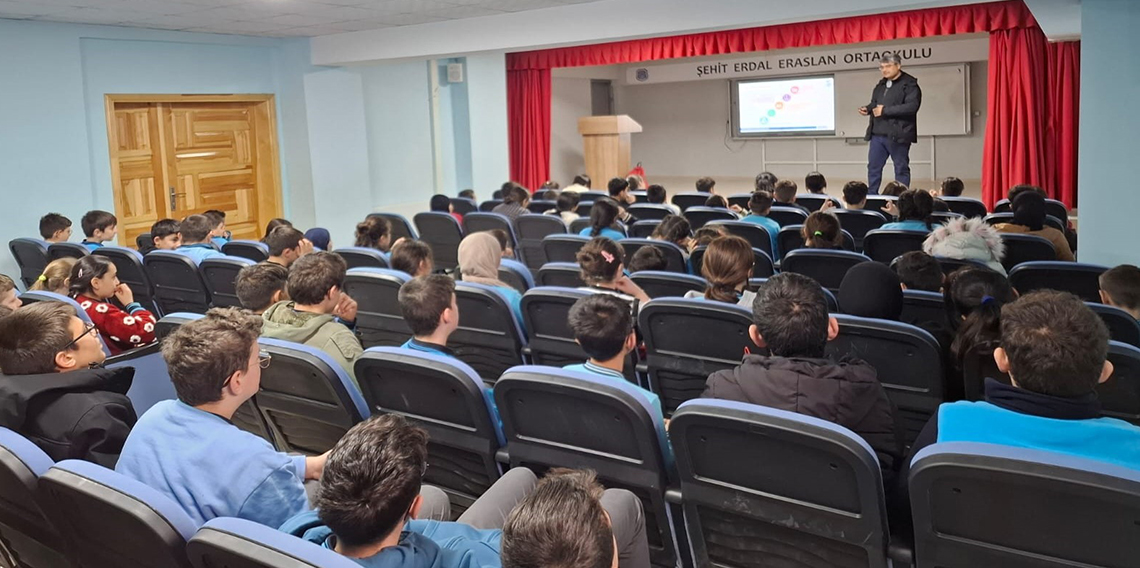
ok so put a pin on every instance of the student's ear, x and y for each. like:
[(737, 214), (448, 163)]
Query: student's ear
[(237, 385), (1001, 358), (1105, 299), (278, 296), (630, 342), (903, 286), (64, 361), (333, 293), (832, 329), (754, 335), (417, 504), (1106, 372)]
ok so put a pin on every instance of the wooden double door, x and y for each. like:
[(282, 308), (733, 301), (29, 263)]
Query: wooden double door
[(177, 155)]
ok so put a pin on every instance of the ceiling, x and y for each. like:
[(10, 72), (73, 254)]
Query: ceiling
[(276, 18)]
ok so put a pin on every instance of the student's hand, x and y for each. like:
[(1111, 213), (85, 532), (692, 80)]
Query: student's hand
[(878, 110), (304, 247), (346, 308), (626, 286), (827, 205), (315, 466), (891, 209), (124, 294), (863, 111), (736, 208)]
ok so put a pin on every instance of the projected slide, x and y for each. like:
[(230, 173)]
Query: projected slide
[(805, 105)]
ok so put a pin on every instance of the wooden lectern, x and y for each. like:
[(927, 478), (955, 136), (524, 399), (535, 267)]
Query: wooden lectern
[(606, 140)]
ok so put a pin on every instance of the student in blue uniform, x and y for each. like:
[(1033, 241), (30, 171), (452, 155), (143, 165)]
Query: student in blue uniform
[(196, 242), (430, 309), (98, 227)]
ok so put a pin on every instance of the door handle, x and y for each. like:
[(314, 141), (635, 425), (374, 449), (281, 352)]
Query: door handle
[(174, 198)]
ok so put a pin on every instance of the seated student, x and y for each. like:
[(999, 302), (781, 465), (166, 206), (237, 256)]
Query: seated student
[(320, 238), (766, 177), (952, 187), (919, 271), (504, 242), (705, 236), (760, 205), (570, 521), (967, 239), (286, 245), (914, 209), (98, 227), (316, 300), (619, 192), (370, 502), (430, 309), (603, 214), (815, 183), (190, 451), (790, 319), (657, 195), (600, 261), (94, 281), (442, 204), (273, 224), (468, 194), (648, 258), (706, 185), (55, 228), (784, 194), (218, 235), (822, 231), (375, 233), (516, 198), (479, 259), (413, 257), (974, 298), (893, 189), (871, 290), (727, 265), (56, 278), (1029, 219), (261, 285), (720, 202), (1120, 287), (165, 234), (196, 242), (9, 298), (566, 206), (854, 195), (550, 185), (675, 229), (54, 391), (581, 183)]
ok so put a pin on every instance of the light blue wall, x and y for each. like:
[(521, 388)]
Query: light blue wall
[(487, 100), (398, 113), (1109, 132)]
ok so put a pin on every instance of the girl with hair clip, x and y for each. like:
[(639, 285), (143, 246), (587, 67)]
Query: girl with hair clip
[(375, 233), (726, 266), (603, 214), (94, 281), (56, 277), (914, 209), (822, 231), (974, 297), (675, 229), (601, 266)]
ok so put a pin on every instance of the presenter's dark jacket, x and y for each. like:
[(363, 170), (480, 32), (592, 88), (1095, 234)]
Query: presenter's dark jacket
[(899, 121)]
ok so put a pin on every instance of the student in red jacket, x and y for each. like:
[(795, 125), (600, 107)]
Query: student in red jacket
[(94, 281)]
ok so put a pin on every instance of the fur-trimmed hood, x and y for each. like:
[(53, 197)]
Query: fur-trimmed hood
[(967, 239)]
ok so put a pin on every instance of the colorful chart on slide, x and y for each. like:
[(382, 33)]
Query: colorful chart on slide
[(786, 106)]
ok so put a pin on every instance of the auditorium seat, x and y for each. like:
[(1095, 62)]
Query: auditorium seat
[(488, 205), (45, 296), (516, 274), (989, 505), (463, 206), (31, 256), (563, 248), (253, 250), (689, 199), (643, 229), (966, 206), (178, 285), (878, 204), (674, 255), (786, 216), (227, 542), (1053, 208), (949, 265), (26, 534), (442, 233), (978, 365), (740, 200), (762, 266), (1120, 394), (1122, 326), (663, 284), (828, 267), (220, 274), (859, 222), (885, 245), (546, 312), (583, 211), (67, 250), (686, 340), (558, 418), (379, 320), (362, 257), (170, 322), (924, 309), (151, 382), (648, 212), (478, 222), (401, 228), (109, 520), (592, 196), (813, 202), (1082, 280), (760, 484), (541, 206), (306, 398), (532, 229), (908, 360), (943, 217), (640, 196), (446, 397), (699, 216), (131, 272), (996, 218), (756, 235), (565, 274), (489, 337), (791, 238), (1025, 248)]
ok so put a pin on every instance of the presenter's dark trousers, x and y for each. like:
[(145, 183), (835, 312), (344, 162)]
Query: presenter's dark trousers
[(882, 148)]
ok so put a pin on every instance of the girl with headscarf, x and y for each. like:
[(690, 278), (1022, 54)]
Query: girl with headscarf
[(320, 238), (479, 258), (1029, 219), (871, 290)]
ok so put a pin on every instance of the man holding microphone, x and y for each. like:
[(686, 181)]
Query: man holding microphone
[(893, 122)]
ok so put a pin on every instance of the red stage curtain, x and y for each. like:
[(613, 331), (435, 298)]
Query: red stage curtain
[(528, 116), (1064, 101)]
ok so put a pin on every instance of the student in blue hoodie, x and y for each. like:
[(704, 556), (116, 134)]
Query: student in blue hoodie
[(429, 307), (196, 242), (370, 493)]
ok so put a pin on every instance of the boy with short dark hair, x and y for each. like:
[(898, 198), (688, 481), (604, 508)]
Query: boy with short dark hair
[(919, 271), (286, 244), (261, 285), (8, 296), (854, 195), (55, 228), (188, 450), (657, 195), (784, 194), (165, 234), (603, 326), (430, 309), (760, 205), (468, 193), (648, 258), (815, 183), (218, 235), (196, 244), (952, 187), (413, 257), (1120, 287), (98, 227), (706, 185), (566, 206)]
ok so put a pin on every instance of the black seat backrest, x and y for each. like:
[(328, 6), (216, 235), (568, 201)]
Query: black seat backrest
[(643, 229), (25, 532), (943, 217), (563, 248), (690, 199), (1026, 248), (170, 322), (762, 266), (791, 238), (746, 469), (1082, 280), (534, 228), (253, 250), (699, 216), (237, 543), (220, 274), (647, 211), (67, 250), (379, 320), (362, 257), (442, 233), (977, 366), (967, 206), (674, 255), (540, 206), (878, 203), (1006, 217), (814, 202), (178, 285), (132, 273), (488, 205), (546, 314), (445, 397), (401, 228), (756, 235), (640, 196), (828, 267), (1120, 394), (859, 222), (923, 309), (583, 211), (785, 215), (908, 361), (592, 196), (463, 205), (516, 274), (740, 200), (885, 245), (715, 338), (662, 284), (477, 222), (31, 256), (489, 337), (564, 274), (949, 265), (582, 222), (1122, 326)]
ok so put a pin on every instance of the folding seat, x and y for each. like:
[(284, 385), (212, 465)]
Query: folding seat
[(563, 248), (674, 255), (446, 397), (170, 322), (363, 257), (132, 273), (532, 229), (791, 238), (698, 216), (546, 312), (442, 233), (401, 228), (756, 235), (762, 266), (990, 505), (108, 520), (787, 215), (713, 336), (489, 337), (814, 202), (31, 256), (583, 211), (1026, 248), (476, 222), (647, 211), (967, 206), (582, 221), (220, 274), (27, 539), (1057, 209), (516, 274), (1083, 280), (463, 205), (488, 205), (238, 543), (178, 285), (662, 284), (828, 267), (943, 217), (379, 319), (922, 308), (1122, 326), (558, 418), (67, 250), (885, 245), (306, 398), (859, 222), (761, 487), (643, 229), (689, 199), (996, 218), (592, 196), (740, 200), (253, 250), (878, 203), (45, 296), (908, 361), (949, 265), (151, 383), (540, 206), (640, 196), (565, 274), (1002, 206), (1120, 394)]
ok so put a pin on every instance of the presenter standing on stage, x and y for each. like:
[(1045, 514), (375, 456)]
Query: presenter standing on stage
[(893, 126)]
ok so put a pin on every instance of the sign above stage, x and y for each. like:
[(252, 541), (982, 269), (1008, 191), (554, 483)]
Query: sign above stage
[(808, 61)]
